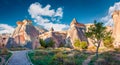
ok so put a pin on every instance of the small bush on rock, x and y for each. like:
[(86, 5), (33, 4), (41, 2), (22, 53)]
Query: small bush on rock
[(82, 45)]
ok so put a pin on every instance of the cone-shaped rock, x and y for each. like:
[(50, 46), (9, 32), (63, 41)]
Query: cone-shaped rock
[(76, 31), (24, 35)]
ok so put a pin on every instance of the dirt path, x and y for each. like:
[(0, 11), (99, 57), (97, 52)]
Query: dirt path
[(19, 58), (86, 62)]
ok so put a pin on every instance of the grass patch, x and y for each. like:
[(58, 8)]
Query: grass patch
[(5, 54), (8, 56), (17, 49), (60, 56), (106, 58)]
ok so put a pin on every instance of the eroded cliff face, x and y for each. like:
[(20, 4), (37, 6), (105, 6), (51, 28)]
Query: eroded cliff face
[(25, 34), (76, 31), (116, 28), (57, 36)]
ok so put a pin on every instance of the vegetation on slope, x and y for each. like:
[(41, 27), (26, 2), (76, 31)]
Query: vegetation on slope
[(5, 54), (107, 58), (60, 56)]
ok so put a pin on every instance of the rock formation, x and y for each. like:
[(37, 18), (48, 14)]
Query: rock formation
[(24, 35), (3, 40), (57, 37), (76, 31), (116, 28), (41, 29)]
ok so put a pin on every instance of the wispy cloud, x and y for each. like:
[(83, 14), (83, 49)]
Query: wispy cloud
[(108, 18), (5, 28), (46, 16)]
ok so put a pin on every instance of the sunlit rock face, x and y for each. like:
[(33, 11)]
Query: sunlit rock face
[(76, 31), (116, 28), (24, 35), (57, 36)]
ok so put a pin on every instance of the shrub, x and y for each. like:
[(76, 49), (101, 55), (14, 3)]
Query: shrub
[(58, 59), (108, 42), (4, 51), (50, 43), (42, 43), (82, 45), (77, 43)]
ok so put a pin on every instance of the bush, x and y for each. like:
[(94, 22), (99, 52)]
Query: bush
[(77, 43), (48, 44), (42, 43), (58, 58), (108, 42), (82, 45), (4, 51)]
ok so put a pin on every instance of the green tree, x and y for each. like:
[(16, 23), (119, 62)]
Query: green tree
[(97, 33)]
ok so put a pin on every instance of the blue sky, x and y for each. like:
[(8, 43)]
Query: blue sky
[(85, 11)]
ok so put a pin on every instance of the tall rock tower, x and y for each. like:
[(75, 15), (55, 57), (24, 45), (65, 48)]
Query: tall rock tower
[(24, 35), (116, 28), (76, 31)]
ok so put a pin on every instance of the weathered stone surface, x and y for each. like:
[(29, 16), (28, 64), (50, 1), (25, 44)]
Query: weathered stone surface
[(25, 33), (3, 39), (76, 31), (116, 28), (57, 37)]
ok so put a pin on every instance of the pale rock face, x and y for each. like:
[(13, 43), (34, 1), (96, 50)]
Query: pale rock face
[(25, 32), (116, 28), (57, 37), (76, 31)]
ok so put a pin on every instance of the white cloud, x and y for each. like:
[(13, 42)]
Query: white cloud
[(5, 28), (59, 12), (108, 18), (46, 16)]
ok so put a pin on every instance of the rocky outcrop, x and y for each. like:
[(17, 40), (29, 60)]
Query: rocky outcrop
[(27, 35), (24, 35), (57, 36), (76, 31), (3, 40), (116, 28), (41, 29)]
